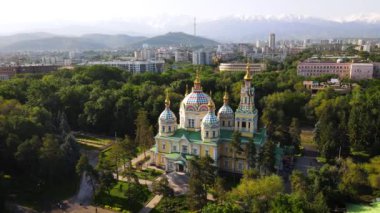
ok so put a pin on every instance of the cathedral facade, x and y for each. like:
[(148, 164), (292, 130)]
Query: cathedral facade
[(203, 132)]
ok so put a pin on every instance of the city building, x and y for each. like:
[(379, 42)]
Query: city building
[(181, 55), (133, 66), (355, 71), (7, 72), (359, 71), (202, 132), (272, 41), (240, 67), (201, 57), (376, 69)]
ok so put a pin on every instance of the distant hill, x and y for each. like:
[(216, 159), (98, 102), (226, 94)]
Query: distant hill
[(176, 38), (49, 42), (54, 43), (7, 40), (113, 41)]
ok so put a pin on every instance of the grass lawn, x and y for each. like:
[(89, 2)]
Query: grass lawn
[(148, 174), (171, 204), (91, 140), (364, 208), (124, 196), (88, 147)]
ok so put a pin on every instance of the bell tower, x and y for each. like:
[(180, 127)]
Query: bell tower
[(246, 114)]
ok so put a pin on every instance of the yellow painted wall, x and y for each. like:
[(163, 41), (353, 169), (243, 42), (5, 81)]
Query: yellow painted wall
[(159, 158), (167, 146)]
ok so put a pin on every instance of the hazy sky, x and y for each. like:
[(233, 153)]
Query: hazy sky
[(34, 11), (108, 15)]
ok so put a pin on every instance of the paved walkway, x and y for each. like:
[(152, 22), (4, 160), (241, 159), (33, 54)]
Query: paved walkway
[(152, 204), (308, 160), (138, 158), (179, 182)]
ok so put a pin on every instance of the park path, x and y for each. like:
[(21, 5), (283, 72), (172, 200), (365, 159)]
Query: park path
[(152, 204), (308, 159), (138, 158)]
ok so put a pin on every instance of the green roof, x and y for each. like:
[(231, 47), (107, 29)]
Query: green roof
[(176, 155), (154, 148), (173, 156), (225, 135), (190, 135)]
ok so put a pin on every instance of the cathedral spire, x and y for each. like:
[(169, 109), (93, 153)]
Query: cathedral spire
[(187, 90), (210, 104), (167, 100), (197, 81), (225, 97), (248, 76)]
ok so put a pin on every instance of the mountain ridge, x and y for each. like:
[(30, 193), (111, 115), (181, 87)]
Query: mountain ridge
[(98, 41)]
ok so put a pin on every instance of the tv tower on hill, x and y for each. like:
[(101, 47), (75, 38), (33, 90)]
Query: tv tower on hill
[(195, 26)]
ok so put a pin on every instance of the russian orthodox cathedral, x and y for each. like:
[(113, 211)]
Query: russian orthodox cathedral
[(203, 132)]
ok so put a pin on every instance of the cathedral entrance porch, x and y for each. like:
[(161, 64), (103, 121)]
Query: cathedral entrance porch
[(179, 166)]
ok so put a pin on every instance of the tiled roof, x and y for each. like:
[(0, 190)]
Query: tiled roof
[(210, 120), (225, 110), (167, 115), (197, 97)]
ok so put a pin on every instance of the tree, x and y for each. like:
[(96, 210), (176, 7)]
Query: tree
[(364, 55), (106, 181), (219, 191), (82, 165), (287, 203), (121, 154), (202, 177), (354, 178), (299, 183), (162, 187), (363, 122), (27, 154), (236, 145), (295, 134), (267, 158), (373, 170), (251, 153), (144, 131), (64, 127), (254, 195), (221, 208), (51, 157), (71, 151), (331, 129)]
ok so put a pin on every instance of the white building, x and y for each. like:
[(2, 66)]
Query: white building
[(241, 67), (133, 66), (361, 71), (202, 58), (356, 71)]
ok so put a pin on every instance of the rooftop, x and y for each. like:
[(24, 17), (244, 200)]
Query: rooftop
[(225, 135)]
